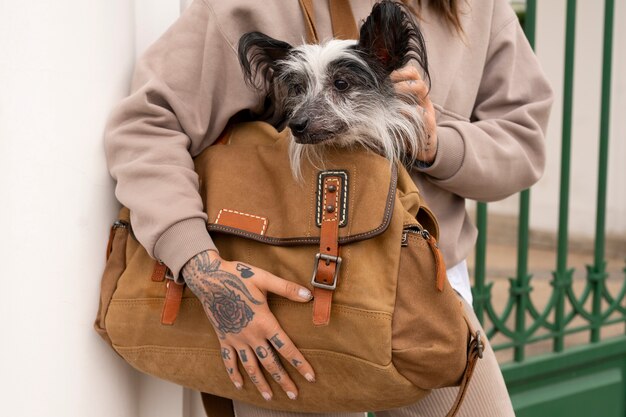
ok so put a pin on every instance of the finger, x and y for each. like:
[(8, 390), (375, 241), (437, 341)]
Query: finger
[(406, 73), (251, 365), (286, 288), (271, 362), (229, 356), (417, 89), (288, 350)]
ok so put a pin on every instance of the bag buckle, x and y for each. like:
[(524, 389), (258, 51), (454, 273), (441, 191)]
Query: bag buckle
[(328, 259), (480, 346)]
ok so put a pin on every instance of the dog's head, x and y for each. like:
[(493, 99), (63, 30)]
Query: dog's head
[(340, 92)]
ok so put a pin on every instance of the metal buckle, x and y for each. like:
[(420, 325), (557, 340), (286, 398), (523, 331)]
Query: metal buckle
[(480, 346), (328, 259)]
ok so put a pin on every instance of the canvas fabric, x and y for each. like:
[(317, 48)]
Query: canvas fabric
[(392, 336)]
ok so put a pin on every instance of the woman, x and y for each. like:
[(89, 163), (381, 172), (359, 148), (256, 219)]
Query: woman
[(486, 113)]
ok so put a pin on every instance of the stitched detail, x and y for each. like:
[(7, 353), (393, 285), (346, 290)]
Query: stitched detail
[(336, 213), (243, 214), (165, 350), (391, 196), (504, 26), (319, 208), (219, 27), (450, 113), (157, 302)]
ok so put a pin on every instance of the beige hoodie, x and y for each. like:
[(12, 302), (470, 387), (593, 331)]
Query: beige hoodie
[(491, 97)]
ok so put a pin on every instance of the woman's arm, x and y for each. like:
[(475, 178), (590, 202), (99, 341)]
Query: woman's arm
[(184, 89), (501, 150)]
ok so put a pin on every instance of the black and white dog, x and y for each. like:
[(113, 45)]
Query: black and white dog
[(340, 93)]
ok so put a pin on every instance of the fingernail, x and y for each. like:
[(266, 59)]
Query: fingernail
[(291, 395), (304, 293), (267, 396), (237, 385), (309, 377)]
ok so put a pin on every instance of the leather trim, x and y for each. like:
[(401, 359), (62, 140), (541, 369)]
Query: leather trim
[(312, 240), (244, 221), (171, 304), (158, 273), (342, 207), (331, 189)]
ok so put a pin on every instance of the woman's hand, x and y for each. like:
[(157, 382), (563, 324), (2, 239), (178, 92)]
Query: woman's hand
[(407, 80), (234, 295)]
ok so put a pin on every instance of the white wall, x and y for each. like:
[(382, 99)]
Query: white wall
[(586, 115), (61, 70), (64, 64)]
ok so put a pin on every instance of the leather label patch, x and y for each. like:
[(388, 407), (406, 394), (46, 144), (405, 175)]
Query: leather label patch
[(244, 221), (341, 199)]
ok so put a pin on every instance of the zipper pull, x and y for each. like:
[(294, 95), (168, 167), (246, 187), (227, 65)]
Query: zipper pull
[(439, 264)]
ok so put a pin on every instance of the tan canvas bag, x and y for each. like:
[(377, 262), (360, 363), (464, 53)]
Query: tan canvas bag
[(385, 326)]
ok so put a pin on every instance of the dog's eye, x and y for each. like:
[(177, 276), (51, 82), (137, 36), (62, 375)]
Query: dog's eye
[(296, 89), (341, 85)]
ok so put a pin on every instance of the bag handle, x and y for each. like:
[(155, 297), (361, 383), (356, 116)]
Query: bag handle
[(342, 20)]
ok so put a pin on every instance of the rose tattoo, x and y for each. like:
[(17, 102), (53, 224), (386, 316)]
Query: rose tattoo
[(224, 295)]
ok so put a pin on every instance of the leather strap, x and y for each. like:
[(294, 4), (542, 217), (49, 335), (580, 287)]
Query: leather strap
[(329, 261), (309, 21), (476, 347), (342, 19), (158, 273), (171, 306), (439, 264)]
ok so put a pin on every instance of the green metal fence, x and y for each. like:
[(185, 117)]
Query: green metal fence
[(586, 380)]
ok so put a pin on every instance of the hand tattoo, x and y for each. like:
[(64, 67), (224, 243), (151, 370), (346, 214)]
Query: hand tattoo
[(246, 271), (221, 294)]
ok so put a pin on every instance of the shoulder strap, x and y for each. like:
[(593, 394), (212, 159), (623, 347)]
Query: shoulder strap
[(342, 20), (344, 26)]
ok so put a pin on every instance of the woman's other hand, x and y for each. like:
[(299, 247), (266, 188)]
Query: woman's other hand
[(408, 80)]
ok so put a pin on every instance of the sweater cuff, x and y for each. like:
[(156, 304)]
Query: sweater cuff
[(181, 242), (450, 154)]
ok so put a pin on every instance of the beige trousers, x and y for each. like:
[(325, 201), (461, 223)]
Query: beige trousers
[(486, 396)]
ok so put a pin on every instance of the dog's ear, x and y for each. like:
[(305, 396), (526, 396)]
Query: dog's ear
[(391, 36), (258, 54)]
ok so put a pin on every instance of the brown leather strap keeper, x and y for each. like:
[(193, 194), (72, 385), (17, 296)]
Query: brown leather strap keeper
[(171, 306)]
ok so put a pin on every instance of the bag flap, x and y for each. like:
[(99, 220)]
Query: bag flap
[(249, 189)]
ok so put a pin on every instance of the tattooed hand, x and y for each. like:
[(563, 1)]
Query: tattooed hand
[(233, 295)]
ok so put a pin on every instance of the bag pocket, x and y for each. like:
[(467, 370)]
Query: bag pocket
[(430, 334), (113, 269)]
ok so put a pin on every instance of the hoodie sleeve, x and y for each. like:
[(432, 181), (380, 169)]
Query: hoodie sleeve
[(501, 150), (184, 89)]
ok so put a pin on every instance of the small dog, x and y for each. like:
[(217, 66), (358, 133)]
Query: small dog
[(339, 93)]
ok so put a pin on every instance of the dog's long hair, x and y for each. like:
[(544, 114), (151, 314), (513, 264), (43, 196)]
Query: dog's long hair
[(339, 93)]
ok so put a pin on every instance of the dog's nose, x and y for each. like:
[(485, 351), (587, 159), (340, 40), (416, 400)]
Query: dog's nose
[(298, 125)]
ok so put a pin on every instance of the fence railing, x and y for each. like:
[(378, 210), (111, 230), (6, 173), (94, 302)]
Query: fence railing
[(521, 322)]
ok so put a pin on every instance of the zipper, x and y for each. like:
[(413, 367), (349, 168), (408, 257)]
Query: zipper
[(120, 224), (440, 269), (416, 230)]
